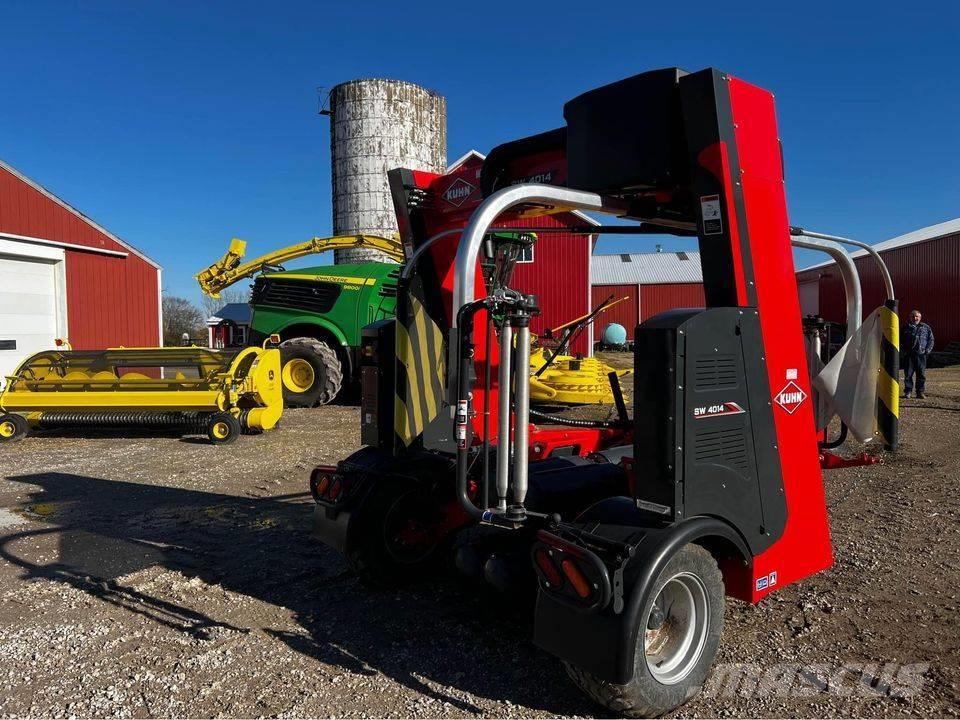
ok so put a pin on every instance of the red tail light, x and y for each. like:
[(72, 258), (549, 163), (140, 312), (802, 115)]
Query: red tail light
[(576, 578), (325, 483), (548, 568)]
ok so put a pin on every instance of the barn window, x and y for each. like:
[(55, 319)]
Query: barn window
[(526, 254)]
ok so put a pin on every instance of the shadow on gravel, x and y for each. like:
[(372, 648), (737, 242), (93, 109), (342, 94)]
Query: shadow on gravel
[(437, 638)]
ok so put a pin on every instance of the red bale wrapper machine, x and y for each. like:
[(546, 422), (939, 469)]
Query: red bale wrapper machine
[(634, 530)]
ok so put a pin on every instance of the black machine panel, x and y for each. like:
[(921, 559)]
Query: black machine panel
[(609, 131), (377, 358), (709, 457)]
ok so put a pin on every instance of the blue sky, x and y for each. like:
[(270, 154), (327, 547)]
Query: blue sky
[(179, 125)]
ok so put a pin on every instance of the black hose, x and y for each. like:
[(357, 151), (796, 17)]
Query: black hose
[(557, 420), (839, 441), (465, 360)]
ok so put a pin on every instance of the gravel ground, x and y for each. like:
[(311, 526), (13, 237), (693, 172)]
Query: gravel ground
[(159, 576)]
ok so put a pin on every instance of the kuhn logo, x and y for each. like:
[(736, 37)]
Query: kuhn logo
[(791, 397), (718, 410), (458, 192)]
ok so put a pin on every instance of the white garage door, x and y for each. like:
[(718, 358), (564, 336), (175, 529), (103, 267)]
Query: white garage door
[(28, 309)]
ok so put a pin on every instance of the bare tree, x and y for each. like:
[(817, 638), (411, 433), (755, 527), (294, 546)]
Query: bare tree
[(211, 305), (181, 316)]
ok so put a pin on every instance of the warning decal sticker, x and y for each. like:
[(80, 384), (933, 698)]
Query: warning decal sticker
[(710, 212)]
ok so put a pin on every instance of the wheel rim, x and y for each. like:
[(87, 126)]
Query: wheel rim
[(673, 649), (7, 429), (220, 430), (298, 375), (409, 531)]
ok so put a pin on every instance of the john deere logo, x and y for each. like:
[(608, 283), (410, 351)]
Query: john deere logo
[(458, 192), (791, 397)]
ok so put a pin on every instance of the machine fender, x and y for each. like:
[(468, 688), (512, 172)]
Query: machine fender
[(651, 561), (319, 322), (603, 643), (343, 349)]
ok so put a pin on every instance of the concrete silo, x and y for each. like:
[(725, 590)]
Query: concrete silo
[(377, 125)]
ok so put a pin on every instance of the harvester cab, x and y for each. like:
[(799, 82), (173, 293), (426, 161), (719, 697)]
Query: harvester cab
[(632, 535)]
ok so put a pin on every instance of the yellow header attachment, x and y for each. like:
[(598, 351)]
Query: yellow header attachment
[(229, 269)]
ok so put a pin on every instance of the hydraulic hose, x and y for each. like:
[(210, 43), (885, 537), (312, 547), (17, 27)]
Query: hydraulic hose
[(462, 433), (557, 420), (839, 441)]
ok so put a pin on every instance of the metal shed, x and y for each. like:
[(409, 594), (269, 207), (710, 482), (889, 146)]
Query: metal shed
[(925, 266), (652, 282)]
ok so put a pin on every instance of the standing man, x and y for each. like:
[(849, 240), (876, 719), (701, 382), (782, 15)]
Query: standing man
[(916, 343)]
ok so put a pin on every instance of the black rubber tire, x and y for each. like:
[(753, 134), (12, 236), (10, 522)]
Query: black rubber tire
[(644, 696), (19, 424), (231, 423), (369, 551), (327, 369)]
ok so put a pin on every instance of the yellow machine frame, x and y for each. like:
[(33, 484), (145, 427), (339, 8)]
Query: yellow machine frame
[(570, 380), (87, 388), (229, 269)]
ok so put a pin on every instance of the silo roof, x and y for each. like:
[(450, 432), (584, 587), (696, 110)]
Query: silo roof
[(646, 268)]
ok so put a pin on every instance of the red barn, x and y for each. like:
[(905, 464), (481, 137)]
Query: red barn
[(64, 276), (650, 282), (924, 266), (557, 268)]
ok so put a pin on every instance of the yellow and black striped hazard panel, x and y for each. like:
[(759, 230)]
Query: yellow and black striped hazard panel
[(888, 383), (420, 373)]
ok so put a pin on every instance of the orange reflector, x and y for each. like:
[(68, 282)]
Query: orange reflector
[(335, 487), (323, 484), (576, 579), (549, 570)]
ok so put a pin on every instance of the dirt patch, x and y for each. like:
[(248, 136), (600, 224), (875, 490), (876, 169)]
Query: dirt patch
[(152, 576)]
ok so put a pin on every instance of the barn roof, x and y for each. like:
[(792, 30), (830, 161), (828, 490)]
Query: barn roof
[(235, 312), (646, 268), (931, 232), (66, 206)]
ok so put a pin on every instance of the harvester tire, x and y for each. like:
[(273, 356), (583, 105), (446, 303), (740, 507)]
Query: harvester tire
[(311, 371), (222, 428), (12, 427), (669, 671)]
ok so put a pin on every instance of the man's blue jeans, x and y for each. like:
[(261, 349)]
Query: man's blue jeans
[(914, 364)]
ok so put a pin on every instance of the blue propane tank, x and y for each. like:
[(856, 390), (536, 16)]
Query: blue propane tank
[(614, 335)]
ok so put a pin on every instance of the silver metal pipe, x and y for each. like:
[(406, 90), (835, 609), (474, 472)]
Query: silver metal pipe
[(884, 270), (848, 272), (521, 420), (814, 348), (464, 278), (503, 420)]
